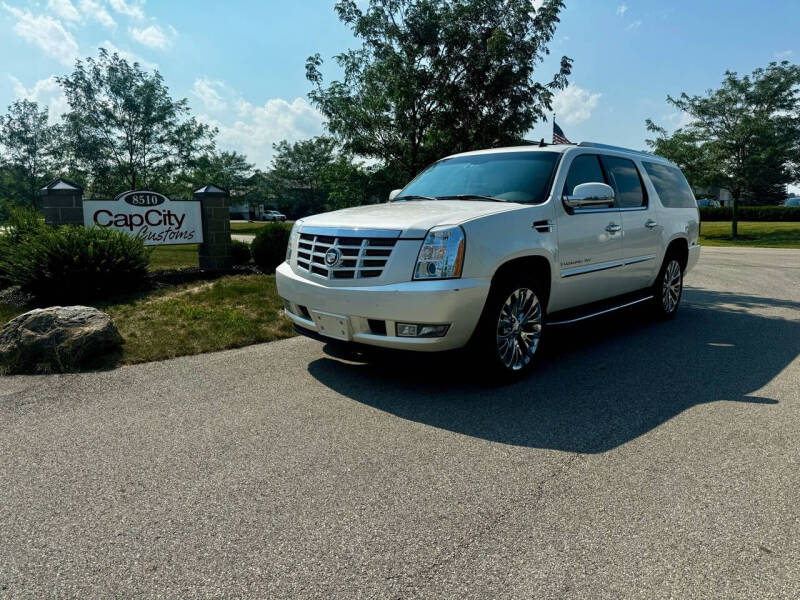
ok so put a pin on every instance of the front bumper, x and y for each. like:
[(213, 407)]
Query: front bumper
[(454, 302)]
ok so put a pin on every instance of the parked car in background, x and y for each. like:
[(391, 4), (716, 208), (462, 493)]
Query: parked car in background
[(792, 202), (491, 249), (273, 215), (708, 202)]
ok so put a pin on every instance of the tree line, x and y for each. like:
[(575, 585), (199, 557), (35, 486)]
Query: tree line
[(431, 78), (743, 136), (124, 131), (428, 78)]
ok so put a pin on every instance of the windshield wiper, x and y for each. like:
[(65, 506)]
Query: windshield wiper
[(414, 197), (470, 197)]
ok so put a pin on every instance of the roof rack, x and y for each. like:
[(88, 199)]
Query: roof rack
[(619, 148)]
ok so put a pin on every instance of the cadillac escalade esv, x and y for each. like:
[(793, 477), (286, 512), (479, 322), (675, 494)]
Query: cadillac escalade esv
[(492, 248)]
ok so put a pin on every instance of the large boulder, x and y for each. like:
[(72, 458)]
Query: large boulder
[(56, 339)]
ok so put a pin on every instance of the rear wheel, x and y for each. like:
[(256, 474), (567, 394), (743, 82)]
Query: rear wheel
[(510, 331), (668, 288)]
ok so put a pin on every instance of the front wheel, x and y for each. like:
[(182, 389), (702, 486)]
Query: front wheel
[(668, 289), (510, 331)]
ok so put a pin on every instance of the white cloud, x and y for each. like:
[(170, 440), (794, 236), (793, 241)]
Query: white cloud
[(256, 128), (94, 10), (64, 9), (152, 37), (537, 4), (677, 120), (45, 92), (574, 104), (634, 25), (622, 9), (129, 56), (45, 32), (210, 93), (784, 54), (132, 9)]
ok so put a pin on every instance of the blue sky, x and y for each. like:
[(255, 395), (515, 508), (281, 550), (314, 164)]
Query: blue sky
[(241, 64)]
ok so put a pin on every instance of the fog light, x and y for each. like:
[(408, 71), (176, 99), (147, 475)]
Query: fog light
[(406, 330), (289, 307), (419, 330)]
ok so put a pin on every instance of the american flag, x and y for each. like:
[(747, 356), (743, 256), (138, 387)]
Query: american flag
[(558, 134)]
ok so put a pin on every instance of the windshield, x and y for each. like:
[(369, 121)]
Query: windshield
[(511, 176)]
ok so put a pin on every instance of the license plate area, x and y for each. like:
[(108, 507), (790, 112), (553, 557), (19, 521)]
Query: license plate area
[(332, 325)]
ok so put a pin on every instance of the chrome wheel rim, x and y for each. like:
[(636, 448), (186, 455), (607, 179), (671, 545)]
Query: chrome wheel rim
[(672, 285), (519, 328)]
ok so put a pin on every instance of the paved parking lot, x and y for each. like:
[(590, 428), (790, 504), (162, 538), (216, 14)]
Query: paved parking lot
[(642, 460)]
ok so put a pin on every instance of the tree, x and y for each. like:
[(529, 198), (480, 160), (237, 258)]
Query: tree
[(227, 169), (125, 129), (433, 77), (345, 183), (296, 172), (29, 144), (748, 132), (685, 150)]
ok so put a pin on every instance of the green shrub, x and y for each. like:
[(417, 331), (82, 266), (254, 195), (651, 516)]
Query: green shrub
[(269, 246), (752, 213), (72, 264), (21, 223), (240, 252)]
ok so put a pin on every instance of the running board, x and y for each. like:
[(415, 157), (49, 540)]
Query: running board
[(597, 313)]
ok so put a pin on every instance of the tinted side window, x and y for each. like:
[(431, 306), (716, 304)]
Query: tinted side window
[(584, 169), (626, 180), (671, 186)]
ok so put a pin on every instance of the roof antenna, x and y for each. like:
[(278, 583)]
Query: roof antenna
[(542, 144)]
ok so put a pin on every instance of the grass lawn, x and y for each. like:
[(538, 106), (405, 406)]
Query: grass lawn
[(751, 233), (177, 257), (231, 312), (173, 257), (254, 227)]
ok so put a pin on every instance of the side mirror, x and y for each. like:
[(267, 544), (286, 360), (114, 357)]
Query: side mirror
[(393, 194), (590, 195)]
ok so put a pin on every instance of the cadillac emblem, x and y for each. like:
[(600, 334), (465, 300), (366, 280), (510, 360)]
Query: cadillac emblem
[(333, 258)]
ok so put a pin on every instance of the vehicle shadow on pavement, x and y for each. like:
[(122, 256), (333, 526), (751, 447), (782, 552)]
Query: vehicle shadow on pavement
[(599, 385)]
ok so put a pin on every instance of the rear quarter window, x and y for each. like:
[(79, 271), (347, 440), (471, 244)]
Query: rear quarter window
[(671, 186)]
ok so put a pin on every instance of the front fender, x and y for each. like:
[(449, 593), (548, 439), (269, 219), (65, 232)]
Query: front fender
[(494, 240)]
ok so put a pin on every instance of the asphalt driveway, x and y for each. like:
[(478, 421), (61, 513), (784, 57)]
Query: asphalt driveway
[(642, 460)]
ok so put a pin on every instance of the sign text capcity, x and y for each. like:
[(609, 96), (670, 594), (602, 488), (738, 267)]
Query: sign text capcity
[(149, 215), (152, 217)]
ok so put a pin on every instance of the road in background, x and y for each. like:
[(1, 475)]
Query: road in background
[(641, 460)]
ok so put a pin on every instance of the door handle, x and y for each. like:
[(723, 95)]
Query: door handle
[(613, 228), (650, 223)]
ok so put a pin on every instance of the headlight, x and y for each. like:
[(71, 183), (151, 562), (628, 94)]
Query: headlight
[(292, 240), (442, 254)]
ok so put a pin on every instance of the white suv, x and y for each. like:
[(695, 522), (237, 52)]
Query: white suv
[(486, 248)]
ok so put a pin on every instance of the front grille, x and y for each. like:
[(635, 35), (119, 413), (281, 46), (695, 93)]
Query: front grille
[(362, 257)]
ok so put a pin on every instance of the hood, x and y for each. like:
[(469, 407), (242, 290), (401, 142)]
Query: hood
[(414, 218)]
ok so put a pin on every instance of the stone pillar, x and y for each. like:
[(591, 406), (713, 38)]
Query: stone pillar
[(215, 251), (62, 202)]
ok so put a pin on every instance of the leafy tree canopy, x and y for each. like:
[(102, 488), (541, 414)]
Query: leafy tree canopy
[(29, 145), (227, 169), (433, 77), (125, 129), (313, 175), (745, 135)]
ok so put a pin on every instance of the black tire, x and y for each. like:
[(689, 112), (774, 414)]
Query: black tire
[(668, 288), (515, 357)]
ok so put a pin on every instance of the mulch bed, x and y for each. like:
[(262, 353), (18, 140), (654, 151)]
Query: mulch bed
[(169, 277), (14, 296)]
